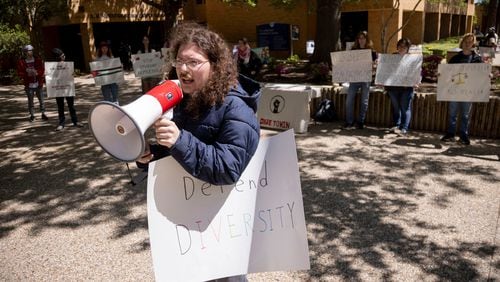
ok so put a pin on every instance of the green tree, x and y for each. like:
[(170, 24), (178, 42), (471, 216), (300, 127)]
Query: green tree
[(11, 39), (30, 14)]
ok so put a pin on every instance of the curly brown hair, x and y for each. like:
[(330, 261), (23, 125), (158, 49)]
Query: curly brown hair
[(224, 74)]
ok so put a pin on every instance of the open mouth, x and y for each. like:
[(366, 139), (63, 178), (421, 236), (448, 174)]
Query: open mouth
[(186, 79)]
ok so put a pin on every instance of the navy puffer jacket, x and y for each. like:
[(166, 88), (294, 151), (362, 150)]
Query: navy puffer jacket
[(217, 147)]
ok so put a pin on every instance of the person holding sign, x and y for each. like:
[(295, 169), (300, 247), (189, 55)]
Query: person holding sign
[(31, 70), (401, 97), (109, 91), (214, 131), (362, 42), (70, 100), (466, 56), (147, 83)]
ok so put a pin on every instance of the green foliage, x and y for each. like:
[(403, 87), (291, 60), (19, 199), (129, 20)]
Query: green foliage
[(294, 59), (14, 78), (430, 67), (320, 72), (251, 3), (12, 39), (440, 47)]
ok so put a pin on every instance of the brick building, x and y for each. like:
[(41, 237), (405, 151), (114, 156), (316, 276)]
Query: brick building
[(125, 22)]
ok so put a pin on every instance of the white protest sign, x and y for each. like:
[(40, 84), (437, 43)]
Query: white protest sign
[(284, 107), (488, 52), (352, 66), (496, 60), (107, 71), (200, 231), (415, 49), (59, 79), (397, 70), (464, 82), (348, 45), (147, 64)]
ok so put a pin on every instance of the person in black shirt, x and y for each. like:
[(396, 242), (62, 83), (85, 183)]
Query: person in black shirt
[(466, 56)]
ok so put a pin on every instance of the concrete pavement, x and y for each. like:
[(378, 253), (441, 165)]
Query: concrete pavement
[(378, 207)]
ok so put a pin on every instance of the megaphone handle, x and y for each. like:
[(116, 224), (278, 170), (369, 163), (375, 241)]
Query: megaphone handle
[(169, 114)]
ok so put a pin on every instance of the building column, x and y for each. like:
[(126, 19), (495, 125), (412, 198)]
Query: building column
[(431, 28), (414, 30), (374, 29), (445, 30), (88, 43)]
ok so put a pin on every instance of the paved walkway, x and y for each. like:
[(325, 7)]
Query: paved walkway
[(378, 207)]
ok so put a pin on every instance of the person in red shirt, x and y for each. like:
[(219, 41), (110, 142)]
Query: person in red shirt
[(31, 70)]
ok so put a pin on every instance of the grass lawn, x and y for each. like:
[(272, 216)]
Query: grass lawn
[(440, 47)]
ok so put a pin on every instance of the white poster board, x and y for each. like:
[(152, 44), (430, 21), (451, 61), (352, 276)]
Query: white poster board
[(397, 70), (59, 79), (415, 49), (285, 107), (352, 66), (200, 232), (464, 82), (348, 45), (487, 52), (496, 60), (107, 71), (147, 64)]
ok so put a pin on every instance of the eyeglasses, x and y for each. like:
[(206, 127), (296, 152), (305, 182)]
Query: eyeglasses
[(191, 64)]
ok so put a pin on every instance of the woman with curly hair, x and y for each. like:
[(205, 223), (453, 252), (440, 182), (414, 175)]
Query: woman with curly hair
[(214, 131)]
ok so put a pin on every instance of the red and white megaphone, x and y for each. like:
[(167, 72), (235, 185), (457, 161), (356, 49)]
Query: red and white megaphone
[(120, 130)]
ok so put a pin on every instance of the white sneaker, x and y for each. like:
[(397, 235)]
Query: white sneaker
[(59, 127)]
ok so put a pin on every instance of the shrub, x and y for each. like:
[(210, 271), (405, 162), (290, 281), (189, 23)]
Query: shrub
[(294, 59), (11, 40), (320, 71), (430, 67), (282, 68)]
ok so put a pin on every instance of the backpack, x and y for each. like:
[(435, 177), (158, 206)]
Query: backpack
[(326, 111)]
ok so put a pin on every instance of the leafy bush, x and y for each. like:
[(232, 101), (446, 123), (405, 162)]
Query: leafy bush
[(11, 40), (430, 67), (320, 71), (294, 59), (282, 68)]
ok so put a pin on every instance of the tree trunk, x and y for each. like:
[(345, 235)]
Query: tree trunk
[(491, 18), (327, 30)]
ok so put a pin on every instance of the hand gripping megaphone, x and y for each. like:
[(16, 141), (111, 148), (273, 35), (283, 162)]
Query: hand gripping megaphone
[(120, 130)]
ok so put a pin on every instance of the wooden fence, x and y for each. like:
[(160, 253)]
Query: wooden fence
[(428, 114)]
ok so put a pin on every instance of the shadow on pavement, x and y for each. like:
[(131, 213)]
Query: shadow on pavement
[(352, 221), (64, 177)]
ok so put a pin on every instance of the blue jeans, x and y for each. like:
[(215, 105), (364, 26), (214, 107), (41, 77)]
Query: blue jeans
[(351, 97), (401, 99), (464, 108), (110, 92), (31, 92)]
